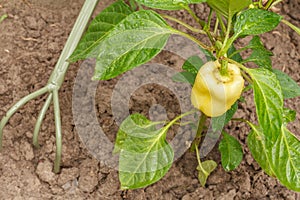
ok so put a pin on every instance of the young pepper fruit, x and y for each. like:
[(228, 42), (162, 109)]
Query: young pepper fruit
[(213, 93)]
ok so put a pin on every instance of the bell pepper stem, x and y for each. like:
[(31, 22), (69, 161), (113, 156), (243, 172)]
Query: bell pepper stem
[(224, 68), (55, 81)]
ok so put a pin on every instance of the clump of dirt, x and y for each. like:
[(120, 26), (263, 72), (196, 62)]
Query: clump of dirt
[(31, 39)]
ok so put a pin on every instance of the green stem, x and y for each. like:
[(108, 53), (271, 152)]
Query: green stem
[(17, 106), (223, 27), (40, 120), (184, 24), (292, 26), (216, 26), (269, 4), (224, 68), (226, 40), (192, 13), (200, 163), (207, 27), (192, 39), (201, 125)]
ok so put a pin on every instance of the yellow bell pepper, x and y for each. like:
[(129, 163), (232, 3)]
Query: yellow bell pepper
[(213, 93)]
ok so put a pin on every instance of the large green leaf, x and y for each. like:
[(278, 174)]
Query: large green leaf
[(168, 4), (260, 55), (231, 152), (257, 144), (281, 159), (228, 7), (290, 88), (99, 28), (145, 155), (286, 159), (268, 100), (134, 41), (289, 115), (255, 21)]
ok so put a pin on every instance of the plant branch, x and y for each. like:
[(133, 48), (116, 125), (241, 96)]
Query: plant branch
[(175, 31), (292, 26), (184, 24), (193, 14)]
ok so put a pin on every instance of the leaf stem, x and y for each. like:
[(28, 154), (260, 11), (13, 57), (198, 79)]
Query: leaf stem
[(184, 24), (201, 125), (193, 14), (292, 26), (222, 25), (178, 32), (207, 27), (200, 163)]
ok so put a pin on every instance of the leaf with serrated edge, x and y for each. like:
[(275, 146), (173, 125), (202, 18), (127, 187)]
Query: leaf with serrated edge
[(207, 167), (268, 101), (168, 4), (145, 155), (255, 21), (290, 88), (134, 41), (228, 7), (231, 152), (99, 28)]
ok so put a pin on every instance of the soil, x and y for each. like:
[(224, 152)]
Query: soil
[(31, 39)]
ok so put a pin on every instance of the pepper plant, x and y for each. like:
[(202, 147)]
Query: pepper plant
[(128, 34)]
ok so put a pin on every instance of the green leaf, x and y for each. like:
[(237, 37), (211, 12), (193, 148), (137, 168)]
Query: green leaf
[(145, 155), (290, 88), (135, 123), (281, 159), (228, 7), (268, 100), (208, 55), (289, 115), (218, 123), (257, 144), (168, 4), (260, 55), (234, 55), (231, 152), (184, 77), (255, 21), (286, 159), (134, 41), (206, 168), (99, 28), (193, 64)]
